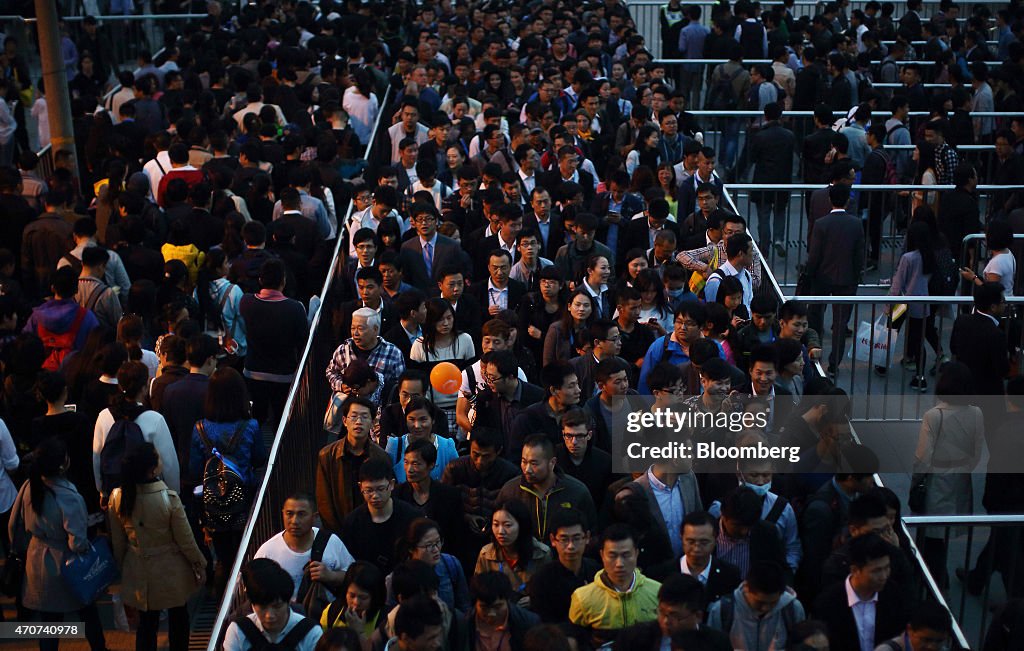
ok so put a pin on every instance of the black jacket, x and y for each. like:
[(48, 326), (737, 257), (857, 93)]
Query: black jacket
[(832, 607), (556, 232), (981, 345), (520, 620), (723, 577), (636, 235), (595, 471), (479, 291)]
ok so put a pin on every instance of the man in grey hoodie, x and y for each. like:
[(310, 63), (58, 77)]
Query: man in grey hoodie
[(760, 613)]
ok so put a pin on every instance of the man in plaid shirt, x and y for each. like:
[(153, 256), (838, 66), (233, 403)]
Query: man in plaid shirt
[(946, 158), (365, 343), (699, 260)]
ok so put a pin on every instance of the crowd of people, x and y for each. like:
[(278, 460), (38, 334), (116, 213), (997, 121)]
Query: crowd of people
[(532, 203)]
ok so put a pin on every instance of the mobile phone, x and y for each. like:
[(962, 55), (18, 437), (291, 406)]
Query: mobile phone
[(71, 407)]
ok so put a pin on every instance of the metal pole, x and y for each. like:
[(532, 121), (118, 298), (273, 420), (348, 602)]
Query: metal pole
[(58, 101)]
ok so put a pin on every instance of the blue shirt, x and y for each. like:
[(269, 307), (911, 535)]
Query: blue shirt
[(670, 503), (446, 453), (691, 44), (657, 352)]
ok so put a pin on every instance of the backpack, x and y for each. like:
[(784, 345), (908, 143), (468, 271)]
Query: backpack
[(290, 642), (312, 594), (863, 83), (892, 177), (721, 96), (777, 509), (225, 497), (97, 293), (124, 436), (727, 612), (57, 345), (946, 276), (73, 262)]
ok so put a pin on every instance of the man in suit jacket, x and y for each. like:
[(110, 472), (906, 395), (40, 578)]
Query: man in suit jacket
[(370, 287), (640, 233), (835, 265), (468, 313), (410, 307), (568, 170), (664, 478), (866, 609), (615, 209), (699, 534), (544, 219), (978, 342), (497, 292), (684, 600), (763, 369), (687, 194), (510, 222), (429, 245), (771, 151), (606, 344)]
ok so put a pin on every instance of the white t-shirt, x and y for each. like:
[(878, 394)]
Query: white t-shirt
[(336, 557), (1004, 266)]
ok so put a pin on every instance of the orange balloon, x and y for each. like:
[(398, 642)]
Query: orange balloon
[(446, 378)]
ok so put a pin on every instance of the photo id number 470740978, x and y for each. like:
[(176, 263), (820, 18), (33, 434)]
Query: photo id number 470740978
[(17, 631)]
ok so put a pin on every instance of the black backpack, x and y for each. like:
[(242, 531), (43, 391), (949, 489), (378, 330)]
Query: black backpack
[(124, 436), (721, 96), (290, 642), (225, 497), (946, 276)]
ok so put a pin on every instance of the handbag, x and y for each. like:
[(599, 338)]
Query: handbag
[(333, 415), (918, 498), (90, 573)]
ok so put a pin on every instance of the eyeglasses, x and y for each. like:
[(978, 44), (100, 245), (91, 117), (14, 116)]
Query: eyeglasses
[(615, 338), (493, 379), (686, 324), (379, 490), (575, 437), (434, 545), (358, 417), (424, 219)]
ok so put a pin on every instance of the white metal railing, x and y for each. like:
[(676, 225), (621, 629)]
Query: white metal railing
[(932, 587), (234, 585)]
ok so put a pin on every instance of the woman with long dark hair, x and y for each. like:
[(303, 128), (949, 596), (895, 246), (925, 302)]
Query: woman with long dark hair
[(645, 150), (655, 312), (913, 272), (441, 342), (566, 336), (228, 426), (161, 565), (361, 602), (48, 526), (218, 300), (513, 550)]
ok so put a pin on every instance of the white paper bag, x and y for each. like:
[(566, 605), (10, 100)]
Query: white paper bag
[(875, 343)]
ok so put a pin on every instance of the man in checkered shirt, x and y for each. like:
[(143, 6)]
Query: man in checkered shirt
[(366, 344), (946, 158)]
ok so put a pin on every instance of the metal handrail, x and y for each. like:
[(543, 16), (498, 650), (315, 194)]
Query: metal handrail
[(815, 186), (729, 114), (931, 583), (957, 147), (224, 611), (707, 62), (885, 299), (965, 520)]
